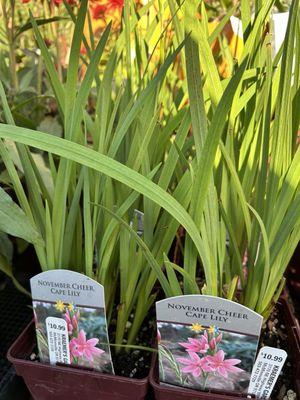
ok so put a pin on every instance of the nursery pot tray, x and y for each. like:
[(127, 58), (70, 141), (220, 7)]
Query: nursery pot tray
[(169, 392), (47, 382)]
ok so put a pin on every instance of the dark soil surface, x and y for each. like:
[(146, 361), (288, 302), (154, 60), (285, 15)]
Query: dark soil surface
[(135, 363), (132, 364)]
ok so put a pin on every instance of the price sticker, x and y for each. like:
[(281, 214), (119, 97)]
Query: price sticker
[(266, 370), (58, 340)]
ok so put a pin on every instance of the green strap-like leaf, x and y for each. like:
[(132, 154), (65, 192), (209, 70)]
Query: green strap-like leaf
[(109, 167), (14, 221)]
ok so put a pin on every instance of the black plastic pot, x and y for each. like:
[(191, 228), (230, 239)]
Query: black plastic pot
[(14, 316), (46, 382), (168, 392)]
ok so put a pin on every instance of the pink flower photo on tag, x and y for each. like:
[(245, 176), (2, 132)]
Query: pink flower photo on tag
[(82, 348), (197, 345)]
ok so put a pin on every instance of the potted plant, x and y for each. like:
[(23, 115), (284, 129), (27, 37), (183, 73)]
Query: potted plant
[(231, 184), (78, 213), (240, 187)]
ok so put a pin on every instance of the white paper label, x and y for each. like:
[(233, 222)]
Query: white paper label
[(266, 371), (280, 21), (58, 340), (206, 342), (70, 320)]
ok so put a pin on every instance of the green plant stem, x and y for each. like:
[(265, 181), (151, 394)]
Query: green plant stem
[(131, 346)]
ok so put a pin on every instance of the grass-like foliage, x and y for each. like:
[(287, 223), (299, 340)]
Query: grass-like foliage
[(215, 156)]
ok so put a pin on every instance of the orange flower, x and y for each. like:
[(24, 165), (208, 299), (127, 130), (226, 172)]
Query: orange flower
[(103, 12), (115, 5), (104, 7), (98, 11)]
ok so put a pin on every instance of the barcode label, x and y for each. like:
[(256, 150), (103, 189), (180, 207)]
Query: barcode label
[(58, 340), (266, 371)]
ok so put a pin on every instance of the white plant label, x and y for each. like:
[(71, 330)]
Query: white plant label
[(280, 23), (58, 340), (70, 320), (266, 370), (206, 342)]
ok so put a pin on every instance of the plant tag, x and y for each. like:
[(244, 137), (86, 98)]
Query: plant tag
[(70, 320), (280, 23), (138, 217), (206, 342), (266, 370), (58, 340)]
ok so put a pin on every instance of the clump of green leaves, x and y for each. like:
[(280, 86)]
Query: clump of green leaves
[(246, 172), (80, 206), (233, 185)]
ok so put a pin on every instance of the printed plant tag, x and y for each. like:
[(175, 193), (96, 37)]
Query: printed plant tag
[(266, 370), (70, 320), (206, 342)]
